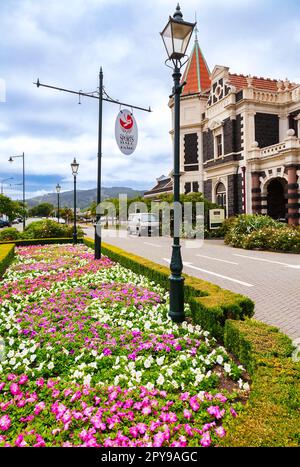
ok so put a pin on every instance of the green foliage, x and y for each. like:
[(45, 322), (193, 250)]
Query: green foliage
[(210, 305), (10, 233), (247, 223), (271, 416), (41, 210), (49, 229), (11, 209), (256, 231), (6, 257)]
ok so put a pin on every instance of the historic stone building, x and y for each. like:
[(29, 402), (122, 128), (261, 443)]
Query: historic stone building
[(239, 141)]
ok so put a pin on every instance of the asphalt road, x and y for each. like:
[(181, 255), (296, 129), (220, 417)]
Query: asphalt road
[(272, 280)]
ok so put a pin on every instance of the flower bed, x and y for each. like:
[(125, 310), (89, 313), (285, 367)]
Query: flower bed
[(92, 359)]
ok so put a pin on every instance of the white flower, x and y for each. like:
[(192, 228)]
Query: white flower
[(149, 386), (169, 371), (12, 361), (246, 387), (227, 368), (160, 380), (87, 380), (240, 383), (160, 360), (220, 359), (50, 366)]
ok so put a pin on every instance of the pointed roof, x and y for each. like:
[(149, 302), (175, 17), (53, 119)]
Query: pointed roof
[(196, 74)]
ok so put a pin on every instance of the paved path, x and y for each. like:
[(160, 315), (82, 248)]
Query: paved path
[(272, 280)]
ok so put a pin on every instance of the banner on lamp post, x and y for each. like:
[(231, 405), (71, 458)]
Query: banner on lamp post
[(126, 132)]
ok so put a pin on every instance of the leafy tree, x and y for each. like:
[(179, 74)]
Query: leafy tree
[(10, 208), (42, 210)]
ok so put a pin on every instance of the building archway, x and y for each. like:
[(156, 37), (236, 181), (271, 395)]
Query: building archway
[(276, 198)]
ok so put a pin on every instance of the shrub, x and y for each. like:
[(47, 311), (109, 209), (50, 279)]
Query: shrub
[(247, 223), (49, 229), (10, 233)]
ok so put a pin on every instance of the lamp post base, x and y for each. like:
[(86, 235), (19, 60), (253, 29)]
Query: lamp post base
[(74, 238), (176, 311)]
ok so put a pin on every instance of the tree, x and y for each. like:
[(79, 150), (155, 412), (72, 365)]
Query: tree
[(10, 208), (42, 210), (66, 214)]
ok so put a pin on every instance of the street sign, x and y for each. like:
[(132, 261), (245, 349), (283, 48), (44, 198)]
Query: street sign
[(126, 132), (216, 218)]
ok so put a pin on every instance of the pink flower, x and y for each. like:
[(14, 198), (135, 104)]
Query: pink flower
[(2, 385), (20, 442), (106, 351), (39, 407), (23, 379), (205, 440), (233, 412), (146, 410), (220, 397), (195, 406), (11, 377), (14, 389), (40, 382), (5, 422), (220, 432), (187, 414)]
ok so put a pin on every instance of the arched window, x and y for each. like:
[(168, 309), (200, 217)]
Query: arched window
[(221, 195)]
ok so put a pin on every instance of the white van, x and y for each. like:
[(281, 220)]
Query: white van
[(143, 223)]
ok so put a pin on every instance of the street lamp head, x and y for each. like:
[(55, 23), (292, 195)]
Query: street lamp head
[(58, 188), (176, 36), (74, 167), (10, 159)]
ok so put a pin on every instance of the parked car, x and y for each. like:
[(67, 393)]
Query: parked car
[(4, 223), (143, 223)]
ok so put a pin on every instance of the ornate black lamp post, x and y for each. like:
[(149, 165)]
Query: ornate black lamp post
[(58, 188), (176, 36), (23, 183), (75, 167)]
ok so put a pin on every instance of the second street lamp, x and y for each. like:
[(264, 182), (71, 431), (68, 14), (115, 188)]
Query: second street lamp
[(75, 167), (176, 36), (58, 188)]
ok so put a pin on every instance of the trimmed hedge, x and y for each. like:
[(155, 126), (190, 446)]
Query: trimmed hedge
[(41, 241), (6, 256), (210, 305), (271, 415)]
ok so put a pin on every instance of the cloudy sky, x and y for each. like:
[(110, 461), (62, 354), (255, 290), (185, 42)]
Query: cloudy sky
[(64, 42)]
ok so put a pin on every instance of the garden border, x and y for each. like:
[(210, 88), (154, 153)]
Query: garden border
[(271, 415)]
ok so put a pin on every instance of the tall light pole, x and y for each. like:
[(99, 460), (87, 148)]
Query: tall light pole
[(3, 181), (176, 37), (58, 188), (75, 167), (23, 183)]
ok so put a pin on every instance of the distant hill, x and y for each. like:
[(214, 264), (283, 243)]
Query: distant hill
[(84, 197)]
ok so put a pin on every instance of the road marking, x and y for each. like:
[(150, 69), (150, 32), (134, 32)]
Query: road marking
[(153, 244), (189, 265), (218, 259), (294, 266)]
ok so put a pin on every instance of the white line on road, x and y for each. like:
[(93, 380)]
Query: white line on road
[(153, 244), (294, 266), (217, 259), (189, 265)]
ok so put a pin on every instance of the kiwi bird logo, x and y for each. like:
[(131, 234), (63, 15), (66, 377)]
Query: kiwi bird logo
[(126, 122)]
